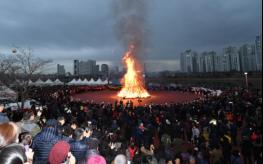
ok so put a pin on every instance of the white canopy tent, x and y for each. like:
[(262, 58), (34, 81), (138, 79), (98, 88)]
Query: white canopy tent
[(92, 82), (105, 82), (99, 82), (78, 82), (72, 82), (39, 82), (58, 82), (85, 82), (48, 82), (31, 83)]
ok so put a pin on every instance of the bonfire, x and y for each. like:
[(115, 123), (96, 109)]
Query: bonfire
[(133, 83)]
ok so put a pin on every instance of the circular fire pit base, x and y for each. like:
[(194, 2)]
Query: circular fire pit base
[(157, 97)]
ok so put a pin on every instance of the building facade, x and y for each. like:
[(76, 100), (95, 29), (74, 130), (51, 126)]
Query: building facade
[(61, 69), (76, 67), (187, 61), (247, 58), (104, 70), (233, 57), (258, 51), (85, 67)]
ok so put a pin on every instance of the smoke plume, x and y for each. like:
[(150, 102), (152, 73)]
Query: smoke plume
[(131, 24)]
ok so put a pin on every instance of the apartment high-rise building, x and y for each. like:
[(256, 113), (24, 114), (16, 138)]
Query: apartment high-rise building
[(61, 69), (217, 63), (96, 71), (209, 61), (233, 57), (195, 62), (248, 58), (85, 67), (76, 67), (258, 52), (104, 70), (201, 63), (186, 61)]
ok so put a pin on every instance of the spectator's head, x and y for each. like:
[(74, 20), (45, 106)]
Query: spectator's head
[(93, 144), (87, 131), (235, 153), (29, 115), (78, 134), (59, 152), (51, 123), (192, 160), (120, 159), (8, 133), (61, 120), (25, 138), (73, 125), (96, 159), (13, 154), (67, 131)]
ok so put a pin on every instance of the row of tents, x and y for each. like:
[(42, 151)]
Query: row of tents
[(49, 82)]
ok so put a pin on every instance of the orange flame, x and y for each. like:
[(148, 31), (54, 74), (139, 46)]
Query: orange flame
[(133, 86)]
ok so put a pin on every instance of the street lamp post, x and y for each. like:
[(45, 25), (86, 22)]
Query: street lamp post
[(245, 73)]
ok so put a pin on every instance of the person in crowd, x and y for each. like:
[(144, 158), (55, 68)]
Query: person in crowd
[(44, 140), (66, 134), (25, 139), (93, 147), (60, 154), (216, 155), (96, 159), (120, 159), (236, 158), (87, 133), (147, 152), (8, 134), (61, 123), (28, 123), (13, 154), (246, 149), (3, 116), (77, 146)]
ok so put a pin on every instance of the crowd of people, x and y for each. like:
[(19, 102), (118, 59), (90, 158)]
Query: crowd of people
[(216, 129)]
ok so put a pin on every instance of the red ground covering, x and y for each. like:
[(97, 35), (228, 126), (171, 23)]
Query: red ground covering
[(157, 97)]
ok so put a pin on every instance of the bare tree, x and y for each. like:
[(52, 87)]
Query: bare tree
[(6, 63), (20, 67)]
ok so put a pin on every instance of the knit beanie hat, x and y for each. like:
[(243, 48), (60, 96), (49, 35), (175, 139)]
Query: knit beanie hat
[(58, 152), (96, 159)]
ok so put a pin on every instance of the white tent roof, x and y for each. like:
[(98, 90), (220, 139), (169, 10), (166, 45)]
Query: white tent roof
[(49, 82), (105, 81), (85, 82), (30, 83), (99, 82), (92, 82), (58, 82), (72, 82), (79, 81), (39, 82)]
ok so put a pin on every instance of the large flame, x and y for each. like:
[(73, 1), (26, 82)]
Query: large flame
[(133, 86)]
